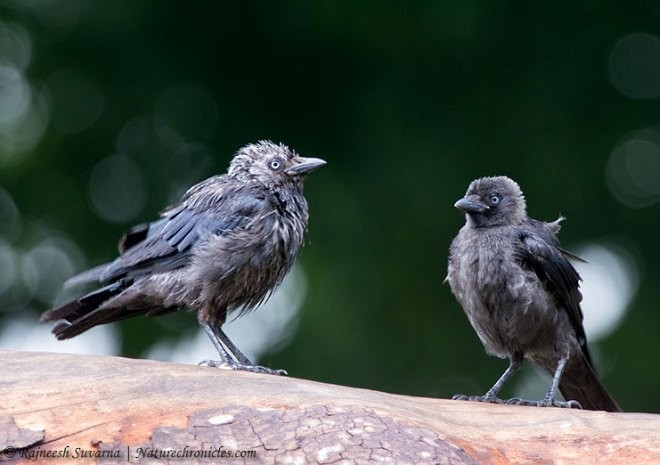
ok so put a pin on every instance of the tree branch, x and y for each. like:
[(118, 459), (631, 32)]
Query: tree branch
[(133, 410)]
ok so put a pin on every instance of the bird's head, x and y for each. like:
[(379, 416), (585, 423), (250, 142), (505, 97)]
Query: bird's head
[(271, 164), (493, 201)]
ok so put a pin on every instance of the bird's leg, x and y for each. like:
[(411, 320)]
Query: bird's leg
[(549, 399), (226, 358), (515, 362), (552, 392), (231, 347), (230, 355)]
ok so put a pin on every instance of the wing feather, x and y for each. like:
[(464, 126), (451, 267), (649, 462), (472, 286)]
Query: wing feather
[(166, 243), (539, 251)]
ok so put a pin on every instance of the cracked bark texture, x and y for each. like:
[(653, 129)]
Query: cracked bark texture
[(118, 407)]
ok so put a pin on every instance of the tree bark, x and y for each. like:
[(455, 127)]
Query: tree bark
[(118, 410)]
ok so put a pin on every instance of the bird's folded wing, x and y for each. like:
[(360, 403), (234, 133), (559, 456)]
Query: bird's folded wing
[(166, 244), (543, 256)]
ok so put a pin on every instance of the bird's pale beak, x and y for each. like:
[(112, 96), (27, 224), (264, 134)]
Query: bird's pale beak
[(471, 204), (304, 165)]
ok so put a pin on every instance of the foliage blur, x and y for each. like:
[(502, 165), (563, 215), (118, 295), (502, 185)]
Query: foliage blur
[(110, 110)]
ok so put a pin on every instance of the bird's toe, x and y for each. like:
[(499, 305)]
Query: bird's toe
[(567, 404), (486, 398), (261, 369), (214, 364)]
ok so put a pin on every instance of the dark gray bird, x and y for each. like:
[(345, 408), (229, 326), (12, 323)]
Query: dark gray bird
[(521, 295), (225, 246)]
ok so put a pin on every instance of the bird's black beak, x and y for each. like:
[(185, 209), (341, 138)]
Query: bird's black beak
[(471, 204), (304, 165)]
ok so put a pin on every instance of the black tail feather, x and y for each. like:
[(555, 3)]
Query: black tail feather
[(79, 307), (581, 383), (79, 315)]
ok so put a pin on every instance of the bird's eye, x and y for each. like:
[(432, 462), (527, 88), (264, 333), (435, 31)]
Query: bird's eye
[(494, 200), (275, 165)]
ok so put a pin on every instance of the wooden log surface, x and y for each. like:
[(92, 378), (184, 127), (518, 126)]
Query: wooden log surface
[(115, 410)]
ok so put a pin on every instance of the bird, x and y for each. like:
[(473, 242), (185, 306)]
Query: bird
[(224, 247), (521, 295)]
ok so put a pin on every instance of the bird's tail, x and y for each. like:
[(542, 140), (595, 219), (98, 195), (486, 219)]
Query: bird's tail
[(81, 314), (580, 382)]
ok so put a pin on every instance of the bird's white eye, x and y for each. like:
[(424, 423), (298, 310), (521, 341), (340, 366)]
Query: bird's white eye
[(494, 200), (275, 164)]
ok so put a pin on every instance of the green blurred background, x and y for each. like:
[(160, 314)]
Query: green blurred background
[(110, 110)]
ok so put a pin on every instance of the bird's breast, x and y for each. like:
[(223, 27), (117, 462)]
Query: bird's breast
[(496, 293), (242, 267), (485, 266), (282, 236)]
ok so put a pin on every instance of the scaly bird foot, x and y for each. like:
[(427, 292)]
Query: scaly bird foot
[(485, 398), (545, 403), (238, 366)]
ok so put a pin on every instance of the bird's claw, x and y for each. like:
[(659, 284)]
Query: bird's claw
[(214, 364), (241, 367), (518, 401), (260, 369), (491, 399), (565, 404), (545, 403)]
